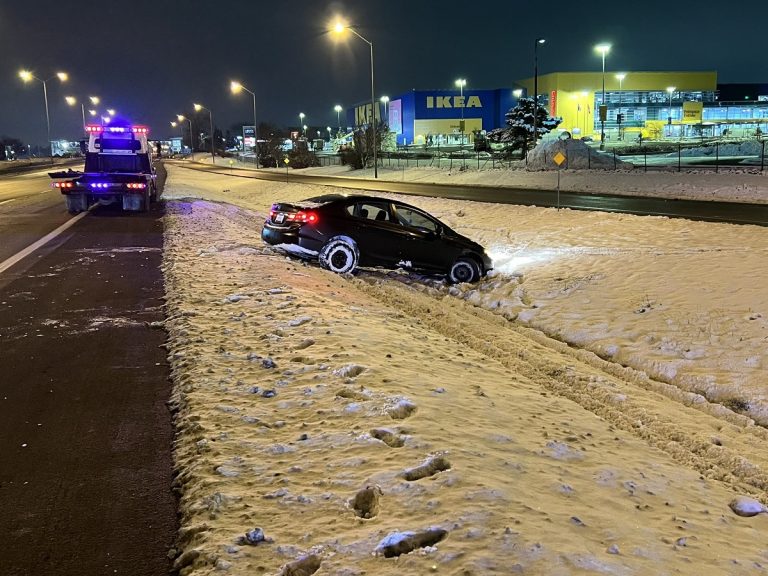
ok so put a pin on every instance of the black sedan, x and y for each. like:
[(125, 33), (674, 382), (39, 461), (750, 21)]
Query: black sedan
[(344, 232)]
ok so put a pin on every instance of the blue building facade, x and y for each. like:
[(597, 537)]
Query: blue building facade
[(439, 117)]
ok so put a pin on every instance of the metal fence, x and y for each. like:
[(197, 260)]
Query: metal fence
[(679, 156)]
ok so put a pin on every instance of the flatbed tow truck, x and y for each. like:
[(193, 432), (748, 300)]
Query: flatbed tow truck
[(118, 167)]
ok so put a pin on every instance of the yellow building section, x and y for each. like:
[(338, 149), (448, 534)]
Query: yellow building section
[(633, 81), (571, 95), (447, 126)]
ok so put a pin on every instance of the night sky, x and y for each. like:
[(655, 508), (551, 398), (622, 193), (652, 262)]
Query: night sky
[(151, 59)]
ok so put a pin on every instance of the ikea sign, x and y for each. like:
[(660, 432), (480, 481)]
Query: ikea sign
[(454, 102)]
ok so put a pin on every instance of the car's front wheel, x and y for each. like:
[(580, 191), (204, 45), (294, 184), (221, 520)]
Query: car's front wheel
[(464, 270), (340, 255)]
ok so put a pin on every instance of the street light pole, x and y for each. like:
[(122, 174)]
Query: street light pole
[(181, 118), (236, 87), (670, 90), (338, 118), (603, 49), (338, 28), (536, 87), (199, 107), (461, 82), (385, 101), (620, 77), (26, 76)]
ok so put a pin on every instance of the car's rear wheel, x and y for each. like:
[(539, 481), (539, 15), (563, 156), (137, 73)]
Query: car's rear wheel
[(464, 270), (340, 255)]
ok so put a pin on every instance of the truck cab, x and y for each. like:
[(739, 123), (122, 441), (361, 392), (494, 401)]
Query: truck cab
[(118, 167)]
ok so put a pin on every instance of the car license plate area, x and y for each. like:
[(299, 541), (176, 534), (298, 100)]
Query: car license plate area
[(279, 218)]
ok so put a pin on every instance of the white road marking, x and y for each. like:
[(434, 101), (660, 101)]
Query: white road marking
[(44, 240), (6, 201)]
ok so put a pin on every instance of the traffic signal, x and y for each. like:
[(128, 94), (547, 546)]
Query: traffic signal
[(619, 118)]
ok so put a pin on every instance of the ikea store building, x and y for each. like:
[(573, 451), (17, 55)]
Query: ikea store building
[(654, 105)]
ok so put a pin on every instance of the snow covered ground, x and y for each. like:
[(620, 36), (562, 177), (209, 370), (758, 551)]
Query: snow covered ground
[(591, 407)]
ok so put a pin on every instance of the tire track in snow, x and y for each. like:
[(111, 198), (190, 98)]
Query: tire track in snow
[(718, 443)]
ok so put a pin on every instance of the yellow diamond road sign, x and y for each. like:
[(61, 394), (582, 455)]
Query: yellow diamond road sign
[(559, 158)]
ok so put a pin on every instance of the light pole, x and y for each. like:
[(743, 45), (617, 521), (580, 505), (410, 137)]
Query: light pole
[(670, 91), (620, 77), (181, 118), (199, 107), (27, 76), (603, 49), (385, 100), (338, 109), (301, 123), (236, 87), (71, 100), (536, 87), (329, 132), (461, 82), (339, 28)]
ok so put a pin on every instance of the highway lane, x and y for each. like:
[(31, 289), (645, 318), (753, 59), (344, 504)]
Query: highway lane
[(732, 212), (29, 209), (85, 431)]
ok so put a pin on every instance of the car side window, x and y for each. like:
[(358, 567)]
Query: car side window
[(414, 219), (369, 211)]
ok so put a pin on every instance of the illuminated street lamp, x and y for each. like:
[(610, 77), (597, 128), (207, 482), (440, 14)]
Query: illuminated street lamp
[(111, 111), (199, 107), (517, 92), (339, 28), (603, 49), (670, 91), (181, 118), (304, 127), (338, 109), (71, 100), (461, 82), (385, 100), (329, 132), (301, 122), (536, 86), (27, 76), (237, 87)]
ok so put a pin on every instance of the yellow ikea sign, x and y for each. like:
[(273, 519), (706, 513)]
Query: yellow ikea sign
[(692, 112), (454, 102)]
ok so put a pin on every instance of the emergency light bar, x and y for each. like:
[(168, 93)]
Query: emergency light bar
[(94, 128)]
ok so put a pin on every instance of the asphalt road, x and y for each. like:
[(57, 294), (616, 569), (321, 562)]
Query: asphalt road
[(85, 433), (732, 212)]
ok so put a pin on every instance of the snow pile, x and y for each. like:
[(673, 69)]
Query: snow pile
[(751, 148), (577, 156)]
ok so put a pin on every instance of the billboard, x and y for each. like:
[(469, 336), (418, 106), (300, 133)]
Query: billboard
[(249, 137), (692, 112)]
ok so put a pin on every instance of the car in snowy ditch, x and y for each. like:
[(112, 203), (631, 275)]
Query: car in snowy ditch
[(346, 231)]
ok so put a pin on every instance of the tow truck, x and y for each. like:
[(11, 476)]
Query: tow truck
[(118, 167)]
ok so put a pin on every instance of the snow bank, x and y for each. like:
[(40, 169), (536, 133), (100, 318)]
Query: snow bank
[(577, 156)]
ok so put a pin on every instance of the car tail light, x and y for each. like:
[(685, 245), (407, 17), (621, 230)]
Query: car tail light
[(136, 185), (305, 217), (63, 184)]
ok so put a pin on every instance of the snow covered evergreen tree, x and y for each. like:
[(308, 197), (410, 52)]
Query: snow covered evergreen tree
[(519, 131)]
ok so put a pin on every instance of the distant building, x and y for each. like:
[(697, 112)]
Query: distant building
[(434, 117), (652, 104)]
